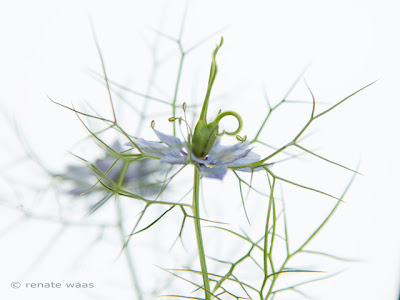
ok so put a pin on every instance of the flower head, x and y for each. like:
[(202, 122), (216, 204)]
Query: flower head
[(215, 164)]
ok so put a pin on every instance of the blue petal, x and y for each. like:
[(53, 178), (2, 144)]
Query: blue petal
[(174, 160), (203, 161), (250, 157), (116, 146), (151, 147), (140, 170), (104, 164), (169, 155), (220, 154), (169, 140), (217, 172)]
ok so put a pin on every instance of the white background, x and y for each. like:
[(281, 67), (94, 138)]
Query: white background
[(47, 49)]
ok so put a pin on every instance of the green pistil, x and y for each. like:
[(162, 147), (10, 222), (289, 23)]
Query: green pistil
[(205, 134)]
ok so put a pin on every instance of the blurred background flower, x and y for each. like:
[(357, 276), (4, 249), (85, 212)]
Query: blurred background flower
[(140, 177)]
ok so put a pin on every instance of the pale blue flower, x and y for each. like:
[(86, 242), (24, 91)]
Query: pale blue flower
[(172, 150), (137, 175)]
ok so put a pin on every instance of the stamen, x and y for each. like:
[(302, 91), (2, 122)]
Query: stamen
[(241, 139)]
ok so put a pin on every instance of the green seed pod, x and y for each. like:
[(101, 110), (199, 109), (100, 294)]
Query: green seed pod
[(205, 134), (204, 138)]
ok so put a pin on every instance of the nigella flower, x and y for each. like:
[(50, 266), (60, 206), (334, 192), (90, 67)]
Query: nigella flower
[(137, 175), (215, 164), (203, 147)]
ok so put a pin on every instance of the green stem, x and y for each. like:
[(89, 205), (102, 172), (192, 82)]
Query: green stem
[(128, 256), (200, 246), (266, 237), (122, 233)]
